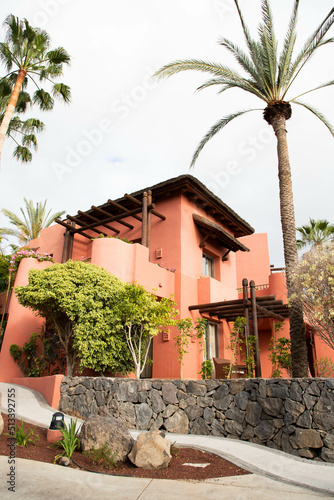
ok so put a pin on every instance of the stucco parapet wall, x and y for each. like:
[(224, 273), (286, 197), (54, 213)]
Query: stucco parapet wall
[(130, 262), (293, 415)]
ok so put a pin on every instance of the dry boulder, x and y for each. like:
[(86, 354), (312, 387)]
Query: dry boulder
[(98, 431), (151, 451)]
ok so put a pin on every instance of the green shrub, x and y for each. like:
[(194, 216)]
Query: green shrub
[(22, 438), (102, 457)]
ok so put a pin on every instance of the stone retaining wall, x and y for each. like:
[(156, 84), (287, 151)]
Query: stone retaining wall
[(293, 415)]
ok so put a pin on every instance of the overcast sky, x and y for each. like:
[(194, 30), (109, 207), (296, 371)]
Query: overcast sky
[(124, 131)]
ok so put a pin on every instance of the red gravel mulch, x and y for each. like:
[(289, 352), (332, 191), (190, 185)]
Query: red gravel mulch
[(44, 452)]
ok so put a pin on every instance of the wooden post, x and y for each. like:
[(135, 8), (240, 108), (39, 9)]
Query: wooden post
[(149, 203), (65, 246), (245, 303), (255, 329), (144, 221), (70, 244)]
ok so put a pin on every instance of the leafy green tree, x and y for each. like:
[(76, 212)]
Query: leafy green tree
[(269, 76), (141, 316), (316, 232), (313, 282), (79, 301), (27, 56), (35, 218)]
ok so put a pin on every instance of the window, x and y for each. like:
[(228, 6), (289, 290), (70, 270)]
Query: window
[(212, 341), (208, 266)]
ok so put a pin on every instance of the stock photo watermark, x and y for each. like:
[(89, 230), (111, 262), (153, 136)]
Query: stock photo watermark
[(223, 7), (11, 407), (90, 139), (248, 150), (48, 10)]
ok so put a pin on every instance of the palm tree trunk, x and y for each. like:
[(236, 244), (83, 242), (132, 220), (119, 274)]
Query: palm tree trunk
[(11, 106), (297, 327)]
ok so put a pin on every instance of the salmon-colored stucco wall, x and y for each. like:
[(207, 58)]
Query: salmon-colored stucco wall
[(50, 241), (22, 322), (253, 265), (129, 262), (49, 387)]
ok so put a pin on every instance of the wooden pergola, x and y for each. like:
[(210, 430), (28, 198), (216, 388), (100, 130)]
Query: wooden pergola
[(89, 223), (252, 308)]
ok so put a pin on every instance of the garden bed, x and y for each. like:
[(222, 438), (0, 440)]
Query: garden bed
[(44, 452)]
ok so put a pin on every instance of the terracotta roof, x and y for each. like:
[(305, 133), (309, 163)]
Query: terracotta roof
[(112, 210), (189, 184), (219, 233)]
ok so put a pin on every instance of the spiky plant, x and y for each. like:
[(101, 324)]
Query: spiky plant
[(269, 76)]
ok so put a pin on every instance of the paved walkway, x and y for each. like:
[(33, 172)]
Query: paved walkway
[(276, 475)]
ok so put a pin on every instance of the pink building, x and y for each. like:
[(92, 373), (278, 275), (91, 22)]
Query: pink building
[(180, 225)]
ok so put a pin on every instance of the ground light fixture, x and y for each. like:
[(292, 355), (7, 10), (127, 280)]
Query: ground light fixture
[(57, 421)]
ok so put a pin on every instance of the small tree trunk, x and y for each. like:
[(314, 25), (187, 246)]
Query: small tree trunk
[(11, 106), (297, 327)]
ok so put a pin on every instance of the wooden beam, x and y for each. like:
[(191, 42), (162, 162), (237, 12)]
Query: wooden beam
[(212, 305), (91, 217), (222, 309), (154, 212), (114, 218), (269, 314), (71, 228), (202, 243), (107, 214), (115, 204), (64, 224), (84, 225)]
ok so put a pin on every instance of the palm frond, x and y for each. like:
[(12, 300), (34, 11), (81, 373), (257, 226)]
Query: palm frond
[(214, 130), (6, 56), (58, 56), (33, 125), (23, 101), (35, 218), (53, 217), (316, 113), (323, 85), (62, 91), (30, 140), (242, 58), (22, 154), (268, 46), (312, 44), (195, 65), (226, 75), (288, 46), (43, 99)]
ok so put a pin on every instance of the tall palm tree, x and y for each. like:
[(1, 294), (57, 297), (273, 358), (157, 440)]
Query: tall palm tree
[(26, 129), (34, 220), (26, 55), (316, 233), (269, 76)]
